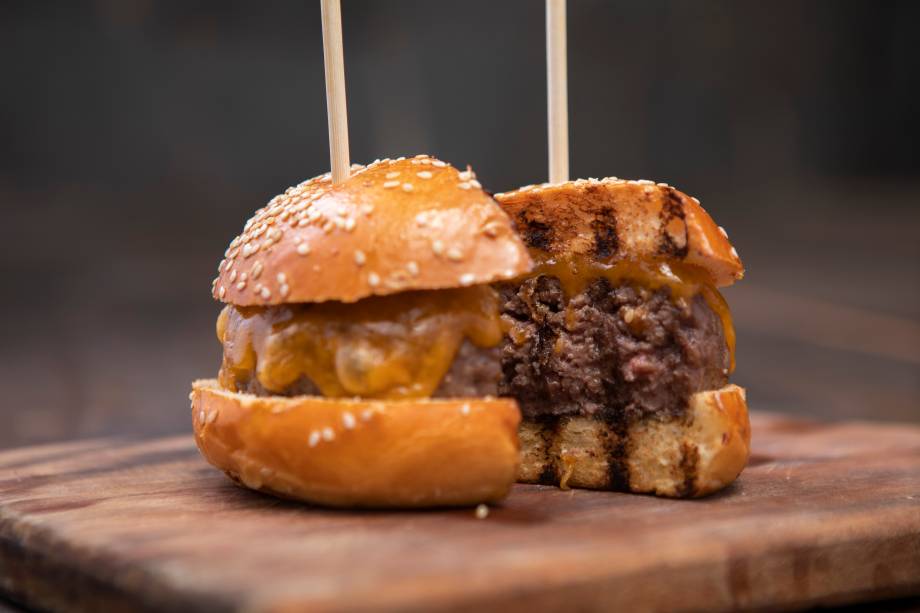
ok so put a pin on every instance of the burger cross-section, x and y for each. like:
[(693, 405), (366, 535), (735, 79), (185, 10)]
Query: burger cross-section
[(383, 336)]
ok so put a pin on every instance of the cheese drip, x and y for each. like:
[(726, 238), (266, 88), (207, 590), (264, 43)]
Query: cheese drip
[(576, 272), (388, 347)]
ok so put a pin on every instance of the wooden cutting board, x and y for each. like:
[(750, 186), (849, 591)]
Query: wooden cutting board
[(825, 513)]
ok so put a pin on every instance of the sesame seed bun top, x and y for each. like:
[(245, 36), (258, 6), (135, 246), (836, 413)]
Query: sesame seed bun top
[(614, 219), (395, 225)]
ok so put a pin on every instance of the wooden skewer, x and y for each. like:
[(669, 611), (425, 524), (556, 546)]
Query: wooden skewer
[(336, 108), (557, 91)]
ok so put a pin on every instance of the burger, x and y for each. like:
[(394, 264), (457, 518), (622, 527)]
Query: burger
[(618, 345), (362, 341)]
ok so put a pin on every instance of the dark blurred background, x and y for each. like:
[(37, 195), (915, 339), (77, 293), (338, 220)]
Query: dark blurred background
[(137, 136)]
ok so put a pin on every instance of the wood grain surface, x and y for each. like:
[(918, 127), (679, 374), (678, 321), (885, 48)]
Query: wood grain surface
[(825, 514)]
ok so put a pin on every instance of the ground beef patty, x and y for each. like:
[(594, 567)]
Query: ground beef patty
[(475, 371), (618, 353)]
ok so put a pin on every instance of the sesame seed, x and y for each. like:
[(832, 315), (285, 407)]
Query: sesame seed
[(201, 416), (438, 163), (328, 434), (424, 174), (464, 185), (284, 290), (734, 252), (367, 209), (232, 276), (281, 277), (241, 285), (373, 279), (467, 278), (490, 229), (465, 409), (366, 415), (313, 440), (389, 184), (348, 420), (303, 249), (482, 511), (360, 258), (437, 247), (243, 276), (265, 293), (349, 224), (723, 232), (212, 417), (392, 174), (696, 200), (412, 267), (302, 222), (266, 471), (222, 292), (454, 254), (407, 187), (466, 175), (256, 270), (476, 184)]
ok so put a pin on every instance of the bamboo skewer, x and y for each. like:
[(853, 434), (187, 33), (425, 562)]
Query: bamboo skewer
[(336, 107), (557, 91)]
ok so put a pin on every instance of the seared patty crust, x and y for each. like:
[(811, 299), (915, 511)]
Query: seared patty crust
[(616, 353)]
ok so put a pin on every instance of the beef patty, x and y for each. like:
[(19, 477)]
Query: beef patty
[(618, 353)]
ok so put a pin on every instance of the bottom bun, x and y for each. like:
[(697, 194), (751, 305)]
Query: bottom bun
[(360, 453), (696, 454)]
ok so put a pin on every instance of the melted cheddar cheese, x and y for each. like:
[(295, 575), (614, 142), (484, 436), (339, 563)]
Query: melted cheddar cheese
[(397, 346)]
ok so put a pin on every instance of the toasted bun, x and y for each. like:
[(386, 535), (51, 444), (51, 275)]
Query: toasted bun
[(354, 453), (685, 457), (616, 219), (395, 225)]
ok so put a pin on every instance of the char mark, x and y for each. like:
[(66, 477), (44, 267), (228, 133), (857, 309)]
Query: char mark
[(604, 226), (538, 234), (672, 209)]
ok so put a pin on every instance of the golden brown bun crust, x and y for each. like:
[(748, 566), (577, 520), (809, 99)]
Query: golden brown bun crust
[(686, 457), (354, 453), (613, 218), (395, 225)]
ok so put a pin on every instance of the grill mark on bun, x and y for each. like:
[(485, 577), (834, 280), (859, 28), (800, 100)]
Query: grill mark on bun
[(606, 241), (616, 447), (672, 211), (689, 461), (549, 431), (537, 234)]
